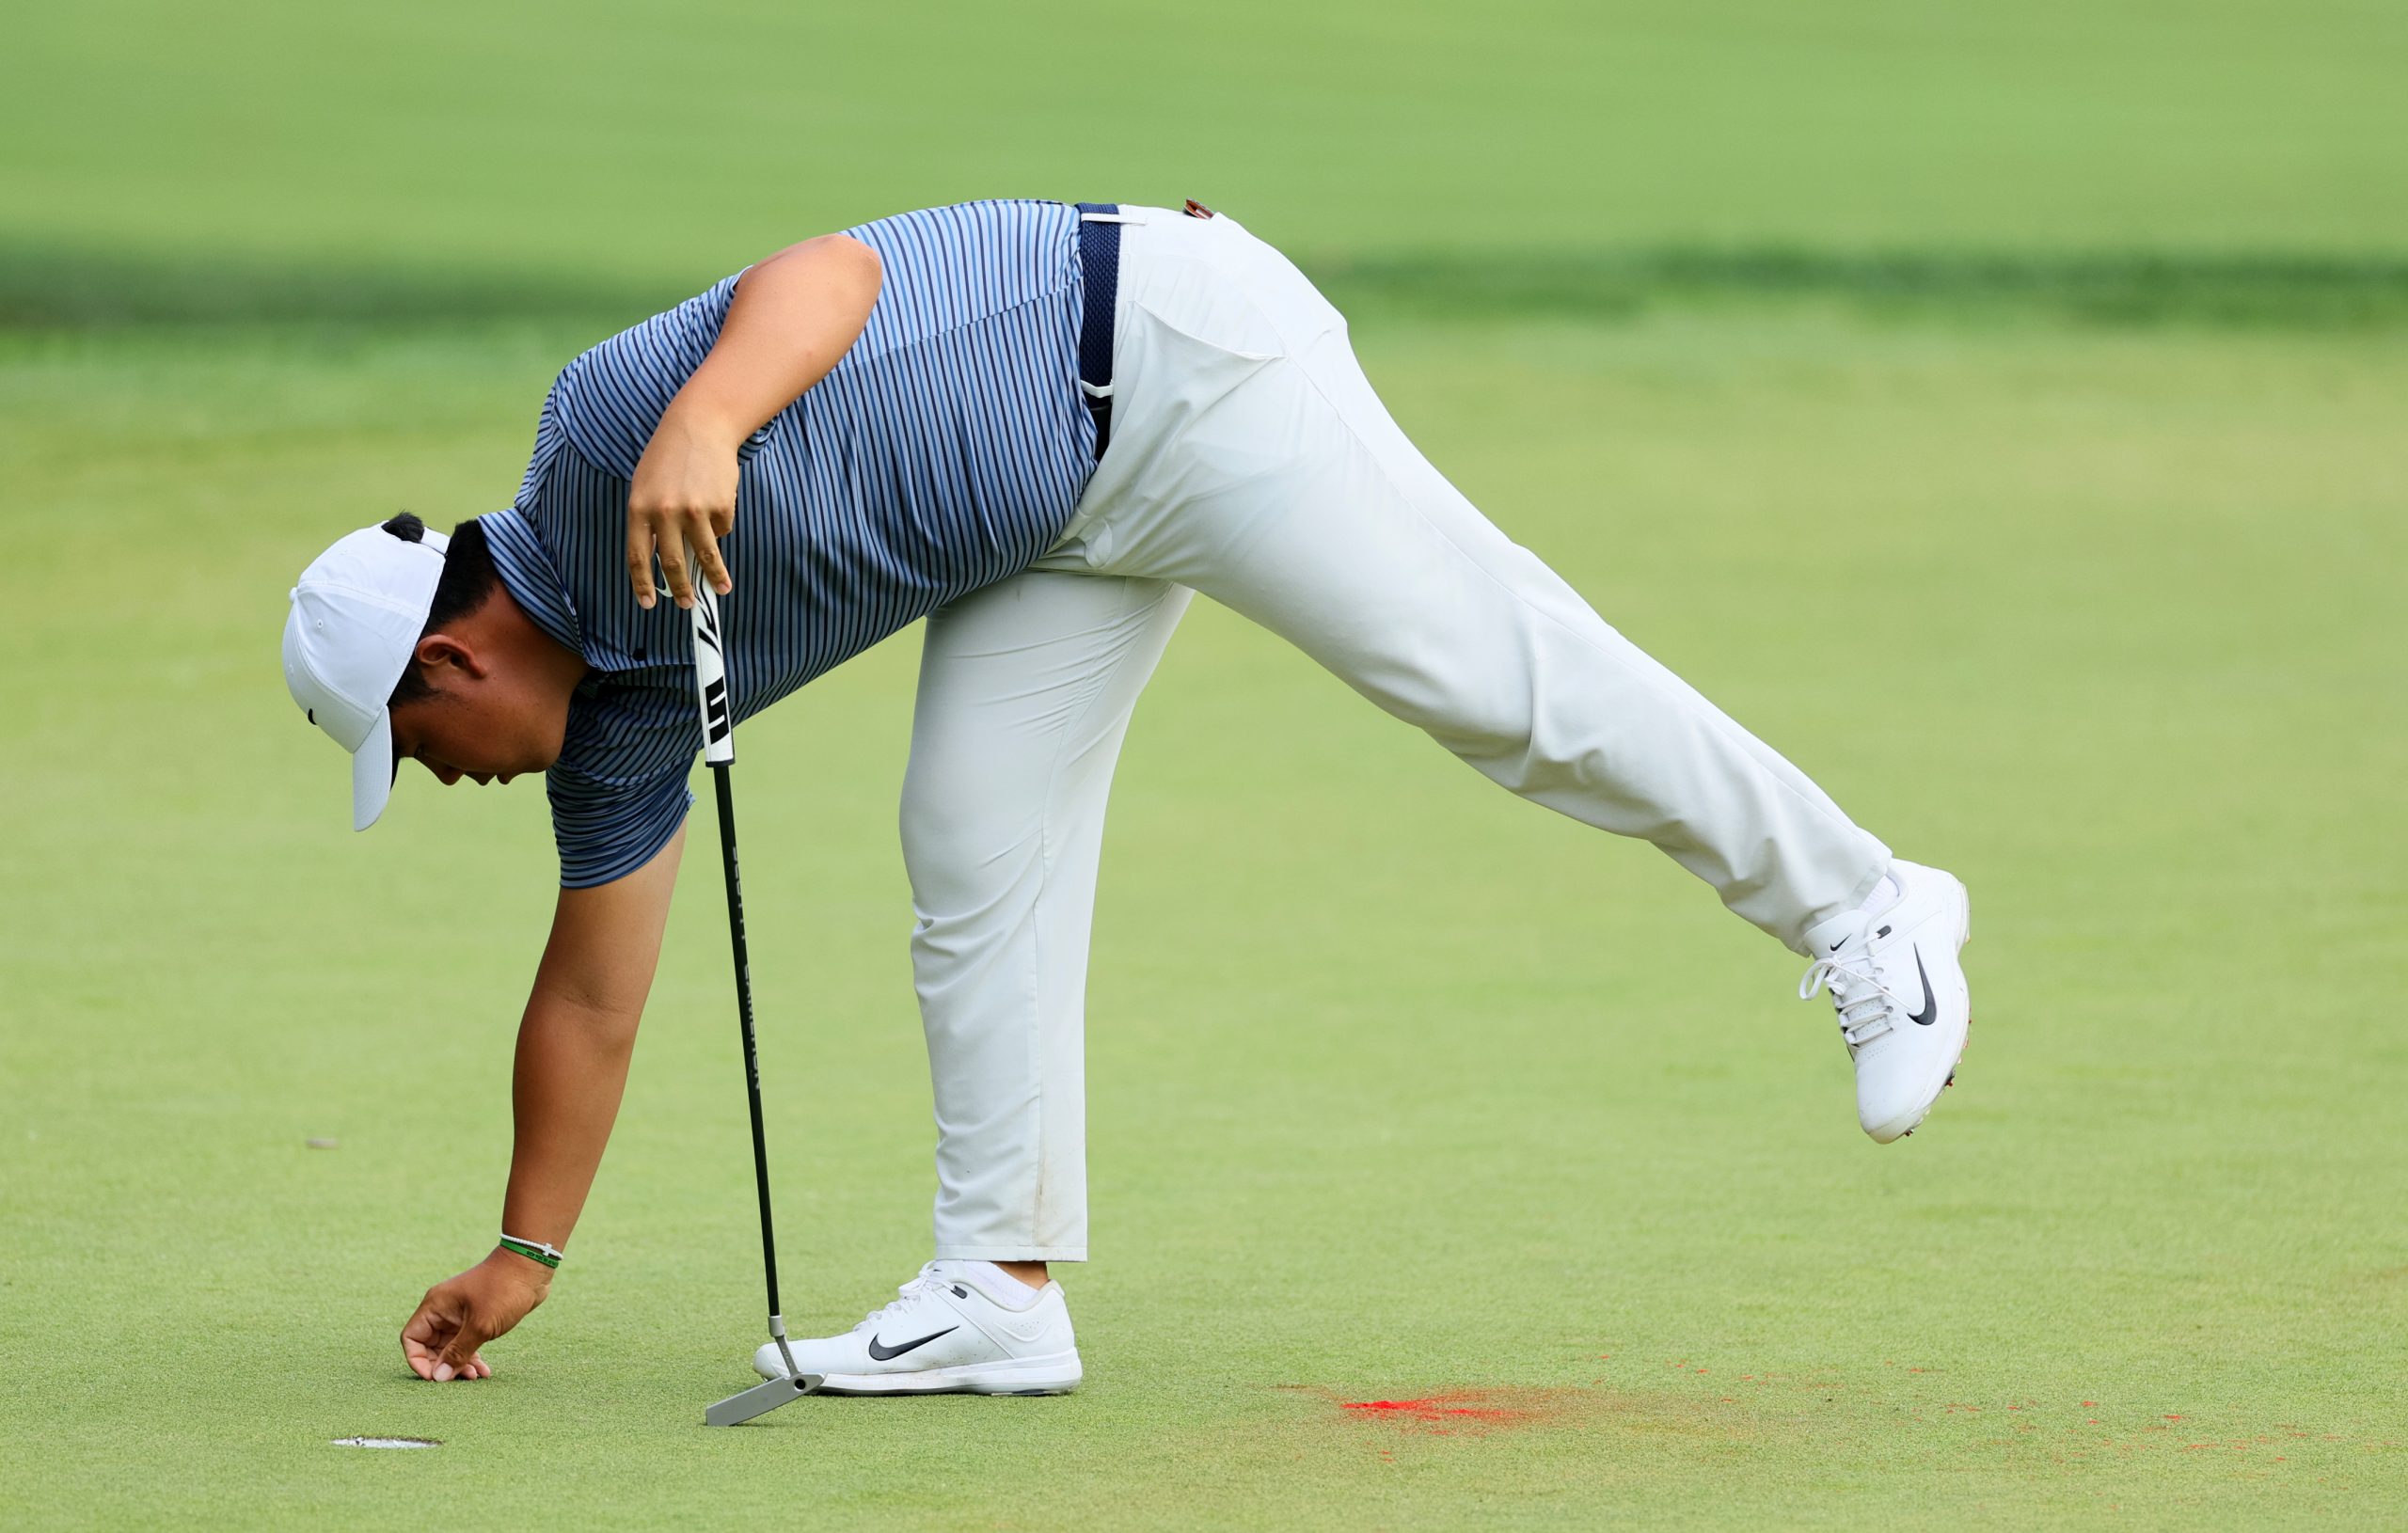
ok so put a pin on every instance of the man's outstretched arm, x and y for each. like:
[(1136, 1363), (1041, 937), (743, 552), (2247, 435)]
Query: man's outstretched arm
[(574, 1043)]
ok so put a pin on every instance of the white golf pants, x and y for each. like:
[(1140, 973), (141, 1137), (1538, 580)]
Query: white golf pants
[(1250, 460)]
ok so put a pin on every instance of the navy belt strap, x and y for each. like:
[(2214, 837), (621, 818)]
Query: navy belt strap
[(1099, 268)]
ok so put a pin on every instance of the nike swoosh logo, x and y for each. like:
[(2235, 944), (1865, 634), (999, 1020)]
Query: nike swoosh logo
[(879, 1351), (1925, 1018)]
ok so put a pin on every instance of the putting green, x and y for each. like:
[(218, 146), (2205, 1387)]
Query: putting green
[(1403, 1092)]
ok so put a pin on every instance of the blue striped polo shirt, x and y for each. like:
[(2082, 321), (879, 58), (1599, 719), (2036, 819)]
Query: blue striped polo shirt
[(943, 452)]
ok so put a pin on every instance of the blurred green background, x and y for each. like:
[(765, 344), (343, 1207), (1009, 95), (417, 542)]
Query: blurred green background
[(623, 146), (1996, 409)]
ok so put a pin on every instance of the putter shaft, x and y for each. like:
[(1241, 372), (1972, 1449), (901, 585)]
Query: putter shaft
[(721, 771), (719, 749)]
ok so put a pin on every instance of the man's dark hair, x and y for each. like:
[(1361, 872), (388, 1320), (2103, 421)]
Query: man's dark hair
[(469, 579)]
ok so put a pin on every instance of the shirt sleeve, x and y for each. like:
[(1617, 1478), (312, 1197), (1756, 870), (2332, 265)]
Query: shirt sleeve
[(608, 830), (548, 446), (608, 402)]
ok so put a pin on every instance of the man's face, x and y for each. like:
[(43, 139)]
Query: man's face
[(479, 728)]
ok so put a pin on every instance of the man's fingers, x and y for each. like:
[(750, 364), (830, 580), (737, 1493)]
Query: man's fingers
[(640, 561), (460, 1359), (672, 572), (424, 1337), (686, 545), (706, 554)]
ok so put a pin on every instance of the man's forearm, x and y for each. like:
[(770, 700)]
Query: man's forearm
[(575, 1039), (793, 318), (571, 1072)]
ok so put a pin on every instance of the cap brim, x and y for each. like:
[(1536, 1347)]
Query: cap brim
[(372, 770)]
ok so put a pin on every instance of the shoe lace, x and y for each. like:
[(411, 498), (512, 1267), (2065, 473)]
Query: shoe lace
[(1865, 1005), (925, 1285)]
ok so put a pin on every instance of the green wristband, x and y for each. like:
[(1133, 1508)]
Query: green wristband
[(534, 1251)]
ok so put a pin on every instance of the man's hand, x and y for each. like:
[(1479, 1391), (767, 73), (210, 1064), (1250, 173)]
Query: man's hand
[(683, 493), (461, 1314)]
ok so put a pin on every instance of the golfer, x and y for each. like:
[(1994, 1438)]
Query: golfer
[(1042, 427)]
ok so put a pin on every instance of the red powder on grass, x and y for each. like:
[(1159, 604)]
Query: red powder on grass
[(1433, 1408), (1466, 1410)]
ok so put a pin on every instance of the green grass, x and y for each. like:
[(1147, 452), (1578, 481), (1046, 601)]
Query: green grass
[(642, 141), (1400, 1087)]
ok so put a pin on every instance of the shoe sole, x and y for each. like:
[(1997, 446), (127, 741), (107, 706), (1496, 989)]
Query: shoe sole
[(1055, 1375), (1965, 908)]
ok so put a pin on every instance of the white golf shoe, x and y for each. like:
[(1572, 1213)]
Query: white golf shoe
[(950, 1330), (1900, 991)]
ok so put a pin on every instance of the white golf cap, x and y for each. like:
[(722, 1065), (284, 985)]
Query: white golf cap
[(357, 615)]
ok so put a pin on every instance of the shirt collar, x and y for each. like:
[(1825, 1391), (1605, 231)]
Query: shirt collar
[(527, 573)]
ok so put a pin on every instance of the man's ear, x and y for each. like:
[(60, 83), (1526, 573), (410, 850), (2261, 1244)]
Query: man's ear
[(435, 651)]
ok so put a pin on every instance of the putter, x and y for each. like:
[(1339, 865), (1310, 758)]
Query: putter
[(719, 750)]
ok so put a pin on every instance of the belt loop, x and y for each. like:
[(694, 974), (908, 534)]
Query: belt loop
[(1100, 270)]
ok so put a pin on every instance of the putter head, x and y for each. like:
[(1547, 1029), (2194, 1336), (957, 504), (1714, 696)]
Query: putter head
[(760, 1399)]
